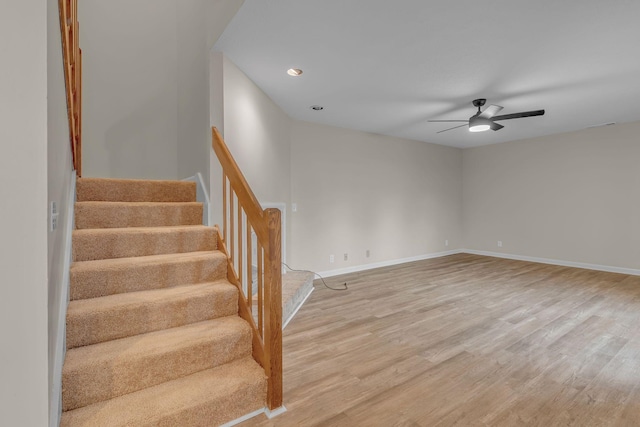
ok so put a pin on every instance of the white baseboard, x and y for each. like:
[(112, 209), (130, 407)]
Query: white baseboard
[(272, 414), (286, 322), (364, 267), (598, 267), (55, 406), (269, 414), (244, 418)]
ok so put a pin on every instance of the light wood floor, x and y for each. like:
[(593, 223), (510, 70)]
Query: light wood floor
[(465, 340)]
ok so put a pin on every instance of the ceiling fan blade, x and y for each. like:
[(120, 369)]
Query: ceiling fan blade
[(455, 127), (519, 115), (496, 126), (490, 111), (466, 121)]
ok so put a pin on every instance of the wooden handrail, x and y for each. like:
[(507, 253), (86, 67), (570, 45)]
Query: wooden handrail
[(239, 184), (72, 61), (242, 216)]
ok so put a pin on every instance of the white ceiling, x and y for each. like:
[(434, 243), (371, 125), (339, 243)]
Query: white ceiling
[(387, 67)]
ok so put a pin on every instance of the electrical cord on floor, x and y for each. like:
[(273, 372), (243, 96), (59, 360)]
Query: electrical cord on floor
[(346, 288)]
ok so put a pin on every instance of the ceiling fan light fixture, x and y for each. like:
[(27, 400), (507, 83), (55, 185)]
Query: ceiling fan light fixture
[(479, 124)]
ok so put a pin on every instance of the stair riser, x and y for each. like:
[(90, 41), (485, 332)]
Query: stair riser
[(122, 215), (85, 328), (136, 277), (106, 244), (116, 190), (122, 376)]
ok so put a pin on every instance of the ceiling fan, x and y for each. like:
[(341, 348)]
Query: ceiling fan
[(485, 120)]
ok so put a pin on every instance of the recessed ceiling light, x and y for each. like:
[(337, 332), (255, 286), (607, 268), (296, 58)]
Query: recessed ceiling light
[(295, 72), (317, 107)]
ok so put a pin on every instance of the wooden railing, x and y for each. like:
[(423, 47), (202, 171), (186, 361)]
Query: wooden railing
[(254, 267), (72, 61)]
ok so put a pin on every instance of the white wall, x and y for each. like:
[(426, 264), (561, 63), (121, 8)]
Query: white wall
[(146, 85), (356, 191), (570, 197), (130, 88), (23, 196), (257, 133), (219, 14), (216, 118), (59, 168), (351, 188), (194, 134), (216, 90)]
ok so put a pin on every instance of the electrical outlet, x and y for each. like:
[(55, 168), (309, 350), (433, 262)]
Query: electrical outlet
[(346, 257), (446, 243), (53, 216), (368, 253), (499, 243), (332, 259)]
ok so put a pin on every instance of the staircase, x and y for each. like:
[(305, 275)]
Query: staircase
[(153, 332)]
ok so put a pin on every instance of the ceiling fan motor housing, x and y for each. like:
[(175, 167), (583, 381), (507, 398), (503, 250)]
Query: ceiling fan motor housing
[(479, 102)]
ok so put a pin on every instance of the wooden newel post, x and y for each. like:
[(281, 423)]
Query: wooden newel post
[(273, 324)]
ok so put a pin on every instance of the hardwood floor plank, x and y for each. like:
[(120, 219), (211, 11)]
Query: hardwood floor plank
[(465, 340)]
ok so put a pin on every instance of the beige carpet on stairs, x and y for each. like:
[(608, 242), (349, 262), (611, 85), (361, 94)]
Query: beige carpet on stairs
[(153, 332)]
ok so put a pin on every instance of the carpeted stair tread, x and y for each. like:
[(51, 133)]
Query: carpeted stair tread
[(103, 371), (134, 190), (91, 279), (90, 321), (103, 243), (136, 214), (207, 398), (152, 328)]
